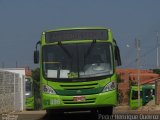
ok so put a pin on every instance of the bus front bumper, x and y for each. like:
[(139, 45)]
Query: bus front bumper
[(81, 101)]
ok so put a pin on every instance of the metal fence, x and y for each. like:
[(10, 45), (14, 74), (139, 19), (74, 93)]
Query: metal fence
[(11, 91)]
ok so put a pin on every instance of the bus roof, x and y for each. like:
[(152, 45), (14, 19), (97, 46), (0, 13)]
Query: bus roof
[(72, 34), (135, 87), (77, 28)]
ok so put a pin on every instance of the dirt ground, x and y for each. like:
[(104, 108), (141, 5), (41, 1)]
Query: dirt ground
[(149, 108)]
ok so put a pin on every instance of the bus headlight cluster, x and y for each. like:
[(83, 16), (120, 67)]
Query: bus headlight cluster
[(47, 89), (27, 93), (110, 86)]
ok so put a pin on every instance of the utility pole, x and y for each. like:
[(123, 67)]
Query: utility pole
[(157, 51), (137, 43)]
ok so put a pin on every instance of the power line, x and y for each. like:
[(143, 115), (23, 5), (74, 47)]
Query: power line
[(143, 55), (157, 52)]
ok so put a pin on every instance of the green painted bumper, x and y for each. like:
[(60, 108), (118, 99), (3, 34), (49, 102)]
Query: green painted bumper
[(95, 100), (29, 103), (134, 104)]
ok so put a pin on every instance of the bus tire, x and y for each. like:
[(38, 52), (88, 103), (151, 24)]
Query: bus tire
[(105, 110)]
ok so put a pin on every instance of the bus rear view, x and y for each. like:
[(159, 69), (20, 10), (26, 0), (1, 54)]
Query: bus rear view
[(77, 69)]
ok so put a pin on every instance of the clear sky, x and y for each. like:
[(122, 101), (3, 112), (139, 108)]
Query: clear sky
[(22, 22)]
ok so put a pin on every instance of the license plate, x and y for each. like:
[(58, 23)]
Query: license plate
[(79, 98)]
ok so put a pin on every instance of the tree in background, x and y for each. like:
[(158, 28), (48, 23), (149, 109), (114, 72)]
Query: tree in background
[(36, 83), (157, 71), (36, 74)]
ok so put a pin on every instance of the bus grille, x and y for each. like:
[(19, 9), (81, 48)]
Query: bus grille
[(89, 100), (79, 87)]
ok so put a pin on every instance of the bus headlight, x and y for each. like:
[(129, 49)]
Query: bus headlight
[(47, 89), (110, 86), (27, 93)]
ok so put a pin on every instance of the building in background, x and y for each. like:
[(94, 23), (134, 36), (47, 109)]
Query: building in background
[(128, 77)]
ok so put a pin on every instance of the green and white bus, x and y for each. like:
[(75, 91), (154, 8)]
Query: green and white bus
[(147, 93), (78, 69), (29, 93)]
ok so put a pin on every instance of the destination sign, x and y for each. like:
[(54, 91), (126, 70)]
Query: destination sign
[(81, 34)]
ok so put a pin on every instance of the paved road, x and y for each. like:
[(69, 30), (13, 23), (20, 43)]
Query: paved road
[(70, 116), (41, 115), (25, 115), (31, 115)]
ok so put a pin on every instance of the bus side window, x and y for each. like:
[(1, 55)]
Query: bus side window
[(117, 56)]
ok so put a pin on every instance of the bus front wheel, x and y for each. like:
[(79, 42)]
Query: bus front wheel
[(105, 110)]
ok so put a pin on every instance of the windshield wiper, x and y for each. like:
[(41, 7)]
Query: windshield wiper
[(68, 54), (89, 50), (65, 50)]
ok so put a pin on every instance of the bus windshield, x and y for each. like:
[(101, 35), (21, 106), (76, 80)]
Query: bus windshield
[(77, 60), (28, 85), (135, 95)]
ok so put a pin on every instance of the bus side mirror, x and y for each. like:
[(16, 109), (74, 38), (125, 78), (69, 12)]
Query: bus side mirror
[(117, 56), (36, 53), (36, 56)]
